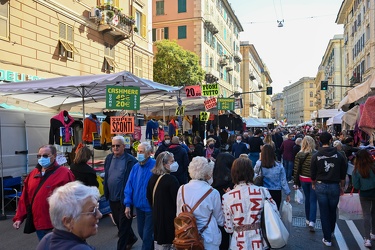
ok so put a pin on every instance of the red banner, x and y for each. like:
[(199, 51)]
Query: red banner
[(210, 103), (193, 91)]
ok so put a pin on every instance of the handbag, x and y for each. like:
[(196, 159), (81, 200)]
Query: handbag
[(350, 207), (258, 180), (273, 229)]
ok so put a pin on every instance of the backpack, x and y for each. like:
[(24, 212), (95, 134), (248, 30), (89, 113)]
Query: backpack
[(187, 235)]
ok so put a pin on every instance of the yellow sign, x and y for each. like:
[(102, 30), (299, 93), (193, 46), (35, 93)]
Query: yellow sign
[(204, 116), (210, 89), (180, 110)]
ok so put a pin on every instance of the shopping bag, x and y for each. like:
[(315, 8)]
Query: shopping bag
[(298, 196), (273, 230), (29, 222), (286, 215), (350, 207)]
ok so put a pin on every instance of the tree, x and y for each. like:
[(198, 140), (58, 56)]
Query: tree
[(176, 66)]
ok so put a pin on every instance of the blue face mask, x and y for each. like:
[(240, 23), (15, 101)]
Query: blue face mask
[(44, 162), (140, 157)]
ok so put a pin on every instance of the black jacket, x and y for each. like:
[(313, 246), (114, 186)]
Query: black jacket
[(61, 240), (181, 156), (85, 174)]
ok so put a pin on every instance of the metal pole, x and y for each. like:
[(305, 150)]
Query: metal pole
[(3, 215)]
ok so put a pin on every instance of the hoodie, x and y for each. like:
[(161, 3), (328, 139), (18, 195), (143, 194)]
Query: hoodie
[(181, 156), (328, 166)]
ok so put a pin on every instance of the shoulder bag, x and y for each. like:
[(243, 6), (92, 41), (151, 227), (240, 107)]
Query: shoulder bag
[(258, 180)]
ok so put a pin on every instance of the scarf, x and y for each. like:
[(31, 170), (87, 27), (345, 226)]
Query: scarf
[(60, 117), (209, 152)]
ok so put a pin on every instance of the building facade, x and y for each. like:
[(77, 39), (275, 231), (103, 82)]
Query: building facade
[(254, 78), (299, 101), (208, 28), (277, 110), (52, 38)]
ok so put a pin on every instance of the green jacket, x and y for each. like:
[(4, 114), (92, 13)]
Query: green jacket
[(365, 185)]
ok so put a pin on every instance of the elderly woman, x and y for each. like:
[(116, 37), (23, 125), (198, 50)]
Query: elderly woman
[(74, 214), (211, 152), (242, 207), (161, 194), (200, 171), (81, 170)]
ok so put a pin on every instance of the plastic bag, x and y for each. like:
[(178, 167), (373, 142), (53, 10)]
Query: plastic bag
[(350, 207), (298, 197), (286, 215)]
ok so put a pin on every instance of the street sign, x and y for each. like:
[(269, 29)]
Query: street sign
[(203, 116), (210, 89), (122, 124), (225, 103), (180, 110), (124, 98), (193, 91)]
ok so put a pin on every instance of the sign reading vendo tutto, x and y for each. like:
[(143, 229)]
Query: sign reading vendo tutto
[(12, 76)]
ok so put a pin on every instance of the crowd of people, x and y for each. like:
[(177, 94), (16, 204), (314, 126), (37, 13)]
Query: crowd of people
[(155, 186)]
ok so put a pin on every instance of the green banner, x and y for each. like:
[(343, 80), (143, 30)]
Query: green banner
[(127, 98), (225, 103)]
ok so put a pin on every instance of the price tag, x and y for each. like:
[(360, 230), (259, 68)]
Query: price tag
[(193, 91), (204, 116), (180, 110)]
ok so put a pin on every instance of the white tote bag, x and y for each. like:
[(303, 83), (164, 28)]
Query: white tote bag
[(286, 215)]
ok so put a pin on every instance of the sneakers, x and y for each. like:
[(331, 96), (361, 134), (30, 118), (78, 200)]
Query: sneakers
[(291, 182), (312, 226), (327, 243), (368, 243), (372, 236), (307, 222)]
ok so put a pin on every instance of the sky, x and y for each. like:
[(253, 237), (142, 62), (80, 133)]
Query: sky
[(295, 50)]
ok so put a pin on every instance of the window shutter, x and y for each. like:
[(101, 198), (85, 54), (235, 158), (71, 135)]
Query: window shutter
[(181, 6), (62, 29), (144, 26), (153, 35), (69, 33), (181, 32), (166, 33)]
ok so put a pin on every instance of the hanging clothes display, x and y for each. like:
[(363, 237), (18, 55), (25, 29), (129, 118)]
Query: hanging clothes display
[(106, 137), (61, 120), (187, 124), (90, 125), (151, 129)]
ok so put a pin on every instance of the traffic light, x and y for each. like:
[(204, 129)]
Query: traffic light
[(269, 91), (323, 85)]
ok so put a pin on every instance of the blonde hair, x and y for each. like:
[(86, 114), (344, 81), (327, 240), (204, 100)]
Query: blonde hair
[(308, 144)]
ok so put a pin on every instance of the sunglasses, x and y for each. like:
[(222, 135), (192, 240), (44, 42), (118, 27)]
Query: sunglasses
[(44, 156), (116, 146), (94, 213)]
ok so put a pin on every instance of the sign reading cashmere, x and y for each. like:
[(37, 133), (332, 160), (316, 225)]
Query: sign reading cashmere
[(118, 97)]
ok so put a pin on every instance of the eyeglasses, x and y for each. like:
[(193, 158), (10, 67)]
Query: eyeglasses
[(93, 213), (116, 146), (44, 156)]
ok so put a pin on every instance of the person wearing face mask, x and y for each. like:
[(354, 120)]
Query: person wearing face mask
[(182, 159), (211, 152), (163, 146), (209, 212), (239, 147), (161, 194), (49, 175), (135, 194)]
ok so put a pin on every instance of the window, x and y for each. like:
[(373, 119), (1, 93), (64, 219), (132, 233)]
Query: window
[(181, 6), (4, 20), (140, 23), (159, 8), (311, 104), (311, 94), (166, 33), (182, 32), (66, 47), (109, 63), (311, 85), (138, 66), (159, 34)]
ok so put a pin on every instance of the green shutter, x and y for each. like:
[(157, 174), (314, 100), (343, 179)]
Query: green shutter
[(153, 35), (166, 33), (160, 8), (182, 32), (181, 6)]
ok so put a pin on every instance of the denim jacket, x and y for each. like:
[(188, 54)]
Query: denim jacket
[(274, 178)]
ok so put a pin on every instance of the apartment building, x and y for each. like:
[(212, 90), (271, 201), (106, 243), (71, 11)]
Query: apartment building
[(277, 110), (51, 38), (208, 28), (299, 100), (255, 78)]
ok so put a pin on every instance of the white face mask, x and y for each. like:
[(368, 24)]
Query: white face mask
[(167, 141), (238, 141), (210, 181), (173, 167)]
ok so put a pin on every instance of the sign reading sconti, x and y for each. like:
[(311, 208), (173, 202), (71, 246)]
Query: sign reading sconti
[(225, 103), (11, 76), (127, 98), (210, 89), (122, 124)]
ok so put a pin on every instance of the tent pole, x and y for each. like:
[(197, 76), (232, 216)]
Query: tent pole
[(164, 113), (83, 103), (3, 215)]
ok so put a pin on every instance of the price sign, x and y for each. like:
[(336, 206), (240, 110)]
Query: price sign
[(122, 124), (210, 103), (127, 142), (193, 91), (204, 116), (180, 110), (118, 97), (225, 103), (210, 89)]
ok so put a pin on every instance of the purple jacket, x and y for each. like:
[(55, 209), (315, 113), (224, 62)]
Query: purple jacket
[(287, 150)]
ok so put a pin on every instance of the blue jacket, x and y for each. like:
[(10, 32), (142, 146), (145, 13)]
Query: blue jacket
[(239, 148), (136, 187), (274, 178), (61, 240)]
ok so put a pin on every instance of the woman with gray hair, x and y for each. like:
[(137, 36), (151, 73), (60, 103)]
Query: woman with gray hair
[(161, 194), (209, 213), (75, 214)]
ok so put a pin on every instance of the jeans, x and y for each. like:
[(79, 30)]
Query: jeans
[(124, 225), (254, 156), (328, 195), (368, 208), (145, 229), (288, 166), (310, 201), (42, 233)]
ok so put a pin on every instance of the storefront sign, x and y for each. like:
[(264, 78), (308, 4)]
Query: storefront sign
[(127, 98), (225, 103), (11, 76), (210, 103), (193, 91), (210, 89), (203, 116), (122, 124)]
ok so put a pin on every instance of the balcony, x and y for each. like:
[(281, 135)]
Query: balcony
[(252, 77), (223, 61), (229, 68), (113, 22), (210, 78), (237, 58), (211, 27), (355, 79)]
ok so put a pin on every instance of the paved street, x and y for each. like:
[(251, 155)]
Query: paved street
[(347, 236)]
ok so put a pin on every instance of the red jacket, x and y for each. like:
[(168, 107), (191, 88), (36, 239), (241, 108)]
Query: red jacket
[(40, 207)]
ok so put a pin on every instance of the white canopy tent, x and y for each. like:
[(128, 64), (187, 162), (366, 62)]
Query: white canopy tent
[(337, 119), (252, 122)]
